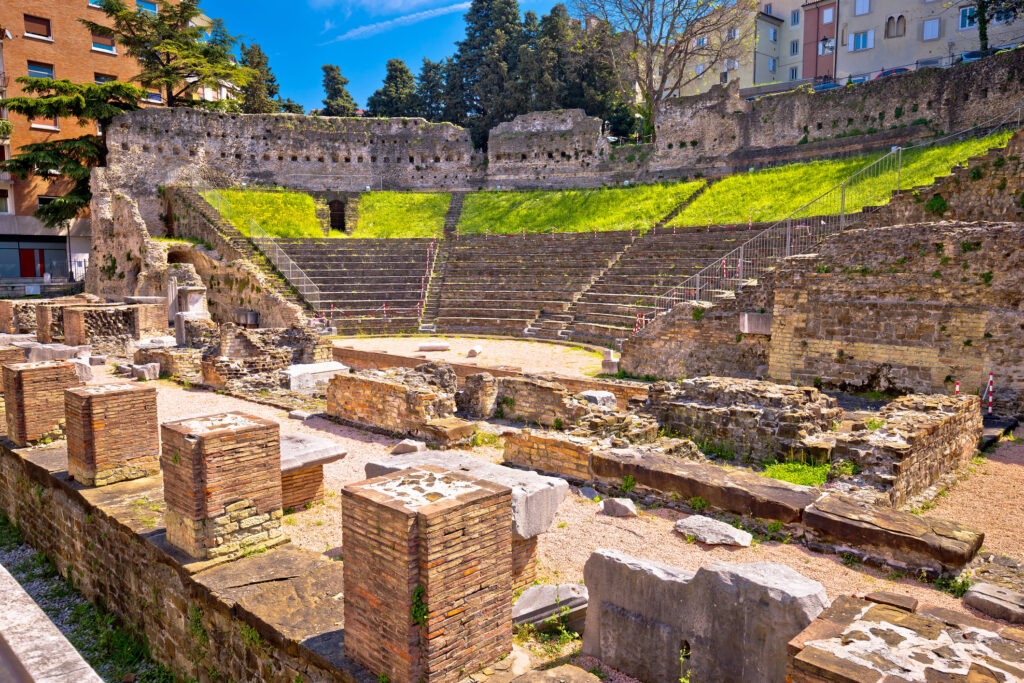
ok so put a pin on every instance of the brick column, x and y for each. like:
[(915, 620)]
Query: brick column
[(113, 433), (34, 398), (9, 355), (428, 574), (222, 484)]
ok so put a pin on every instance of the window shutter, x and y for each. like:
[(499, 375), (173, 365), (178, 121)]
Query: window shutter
[(871, 39), (37, 26), (849, 46)]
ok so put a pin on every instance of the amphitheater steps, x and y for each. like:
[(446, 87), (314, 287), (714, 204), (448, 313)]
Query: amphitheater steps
[(451, 218)]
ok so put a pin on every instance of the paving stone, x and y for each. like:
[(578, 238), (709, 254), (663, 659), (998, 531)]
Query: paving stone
[(408, 446), (604, 399), (712, 531), (619, 507), (300, 414), (996, 601), (97, 360)]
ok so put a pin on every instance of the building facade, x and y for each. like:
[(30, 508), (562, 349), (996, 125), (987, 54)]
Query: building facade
[(46, 39)]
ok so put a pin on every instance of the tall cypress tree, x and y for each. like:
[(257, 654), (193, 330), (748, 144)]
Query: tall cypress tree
[(258, 95), (398, 95), (430, 91), (338, 101)]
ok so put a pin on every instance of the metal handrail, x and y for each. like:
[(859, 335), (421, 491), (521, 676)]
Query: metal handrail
[(796, 234), (290, 270)]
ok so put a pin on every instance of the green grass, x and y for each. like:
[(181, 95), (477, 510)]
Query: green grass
[(401, 214), (775, 193), (278, 212), (798, 473), (620, 208)]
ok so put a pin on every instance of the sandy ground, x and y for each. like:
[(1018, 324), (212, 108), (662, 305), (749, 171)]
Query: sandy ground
[(528, 355), (987, 499)]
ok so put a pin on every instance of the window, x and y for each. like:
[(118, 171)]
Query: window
[(723, 77), (794, 18), (145, 6), (772, 66), (930, 29), (5, 201), (702, 41), (103, 44), (40, 70), (794, 47), (768, 8), (37, 27), (896, 27), (861, 7), (864, 40), (773, 34), (1003, 17), (794, 73), (103, 78), (732, 34), (968, 18), (828, 15), (154, 97)]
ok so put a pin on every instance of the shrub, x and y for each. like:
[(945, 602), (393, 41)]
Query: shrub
[(697, 313), (697, 504)]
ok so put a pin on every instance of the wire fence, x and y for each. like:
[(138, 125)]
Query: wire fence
[(805, 228), (290, 270)]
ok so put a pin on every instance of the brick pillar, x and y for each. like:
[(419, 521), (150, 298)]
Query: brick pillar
[(34, 398), (222, 484), (113, 433), (428, 542), (524, 563), (9, 355)]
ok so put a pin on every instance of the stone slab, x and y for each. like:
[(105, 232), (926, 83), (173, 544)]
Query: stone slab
[(900, 535), (539, 603), (474, 351), (604, 399), (737, 491), (408, 446), (31, 647), (304, 378), (566, 673), (996, 601), (618, 507), (535, 498), (146, 371), (712, 531), (440, 346), (299, 451), (44, 352)]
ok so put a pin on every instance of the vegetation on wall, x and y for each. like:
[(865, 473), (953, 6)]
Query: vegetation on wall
[(619, 208)]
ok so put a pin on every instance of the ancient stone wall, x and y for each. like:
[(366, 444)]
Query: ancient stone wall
[(741, 418), (559, 454), (116, 560), (537, 401), (906, 308), (721, 129), (689, 341)]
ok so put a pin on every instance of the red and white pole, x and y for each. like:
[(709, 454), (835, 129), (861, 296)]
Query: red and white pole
[(957, 389)]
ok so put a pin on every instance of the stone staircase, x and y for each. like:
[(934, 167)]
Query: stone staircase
[(515, 285), (432, 300), (606, 312), (233, 245), (451, 218), (367, 286)]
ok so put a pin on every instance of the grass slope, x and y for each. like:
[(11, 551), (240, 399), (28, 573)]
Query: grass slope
[(401, 214), (620, 208), (279, 213), (773, 194)]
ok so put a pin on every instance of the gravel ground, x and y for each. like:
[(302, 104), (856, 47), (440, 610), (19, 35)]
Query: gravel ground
[(578, 529), (530, 356)]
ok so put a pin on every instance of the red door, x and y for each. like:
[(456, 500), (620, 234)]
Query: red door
[(27, 257)]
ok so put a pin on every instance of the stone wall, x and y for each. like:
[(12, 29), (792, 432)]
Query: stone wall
[(719, 129), (108, 329), (906, 308), (537, 401), (566, 456), (724, 622), (191, 622), (19, 316), (743, 419)]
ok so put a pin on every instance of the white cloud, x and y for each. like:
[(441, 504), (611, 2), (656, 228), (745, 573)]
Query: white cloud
[(328, 25), (374, 7), (384, 26)]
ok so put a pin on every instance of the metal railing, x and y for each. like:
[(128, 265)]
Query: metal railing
[(290, 270), (805, 228)]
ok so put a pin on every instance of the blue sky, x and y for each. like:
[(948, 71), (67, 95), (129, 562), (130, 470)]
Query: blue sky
[(360, 36)]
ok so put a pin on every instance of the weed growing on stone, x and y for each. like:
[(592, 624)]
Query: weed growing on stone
[(628, 483), (697, 504), (873, 424), (849, 560), (957, 586)]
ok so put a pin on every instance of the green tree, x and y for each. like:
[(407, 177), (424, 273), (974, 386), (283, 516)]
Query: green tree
[(430, 91), (176, 56), (398, 95), (73, 159), (290, 106), (258, 95), (338, 101), (988, 11)]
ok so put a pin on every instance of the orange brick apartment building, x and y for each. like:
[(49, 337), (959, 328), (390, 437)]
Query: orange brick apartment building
[(44, 38)]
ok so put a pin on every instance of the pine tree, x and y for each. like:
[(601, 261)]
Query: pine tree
[(258, 95), (430, 91), (176, 56), (290, 106), (398, 95), (338, 101)]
